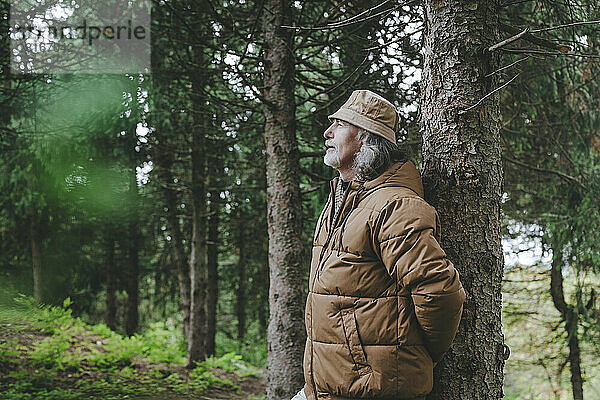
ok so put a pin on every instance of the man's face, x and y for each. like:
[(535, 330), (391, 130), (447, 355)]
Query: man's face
[(341, 140)]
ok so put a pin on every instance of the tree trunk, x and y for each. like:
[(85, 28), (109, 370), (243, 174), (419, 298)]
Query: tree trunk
[(198, 257), (462, 175), (132, 285), (165, 139), (36, 256), (180, 259), (569, 315), (241, 305), (164, 163), (111, 284), (262, 284), (212, 290), (286, 332)]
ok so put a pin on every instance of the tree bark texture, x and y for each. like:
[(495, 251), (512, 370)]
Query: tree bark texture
[(132, 285), (111, 283), (286, 332), (569, 315), (198, 256), (462, 175)]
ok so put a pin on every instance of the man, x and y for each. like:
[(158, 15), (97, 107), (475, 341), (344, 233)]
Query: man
[(384, 302)]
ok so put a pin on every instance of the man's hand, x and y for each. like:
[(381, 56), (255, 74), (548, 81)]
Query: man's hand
[(300, 395)]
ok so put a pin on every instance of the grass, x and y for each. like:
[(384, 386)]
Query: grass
[(46, 353)]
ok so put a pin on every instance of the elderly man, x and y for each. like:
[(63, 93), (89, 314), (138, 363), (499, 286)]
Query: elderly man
[(384, 302)]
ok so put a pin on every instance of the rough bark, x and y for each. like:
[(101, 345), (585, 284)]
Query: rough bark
[(111, 283), (198, 256), (36, 256), (569, 315), (240, 307), (462, 174), (286, 332), (132, 281)]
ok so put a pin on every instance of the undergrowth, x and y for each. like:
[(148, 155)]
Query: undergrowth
[(47, 353)]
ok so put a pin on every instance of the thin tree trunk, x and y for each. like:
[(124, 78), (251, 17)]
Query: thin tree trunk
[(132, 285), (212, 290), (164, 161), (569, 315), (262, 284), (165, 139), (198, 257), (241, 305), (181, 261), (36, 256), (462, 174), (286, 333), (111, 283)]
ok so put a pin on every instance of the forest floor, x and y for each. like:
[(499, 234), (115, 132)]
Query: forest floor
[(45, 353)]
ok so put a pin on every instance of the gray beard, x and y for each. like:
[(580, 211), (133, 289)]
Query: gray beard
[(332, 159)]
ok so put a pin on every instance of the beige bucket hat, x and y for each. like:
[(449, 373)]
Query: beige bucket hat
[(371, 112)]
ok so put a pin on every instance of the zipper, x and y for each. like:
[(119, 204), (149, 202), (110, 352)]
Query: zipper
[(325, 246), (330, 201), (330, 235)]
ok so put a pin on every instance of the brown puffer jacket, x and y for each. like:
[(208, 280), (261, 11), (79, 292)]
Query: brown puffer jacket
[(384, 302)]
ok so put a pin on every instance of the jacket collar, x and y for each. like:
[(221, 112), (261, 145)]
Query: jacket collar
[(399, 174)]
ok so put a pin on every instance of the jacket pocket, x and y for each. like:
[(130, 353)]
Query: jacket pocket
[(353, 340)]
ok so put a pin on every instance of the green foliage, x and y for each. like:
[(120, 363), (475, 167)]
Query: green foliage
[(202, 377), (253, 347), (71, 359), (166, 343), (232, 362), (537, 367), (550, 144), (8, 350), (20, 392), (52, 353)]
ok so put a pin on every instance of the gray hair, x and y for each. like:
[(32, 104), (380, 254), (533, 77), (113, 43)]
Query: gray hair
[(375, 155)]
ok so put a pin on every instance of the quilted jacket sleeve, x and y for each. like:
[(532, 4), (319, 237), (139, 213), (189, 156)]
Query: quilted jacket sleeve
[(406, 236)]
